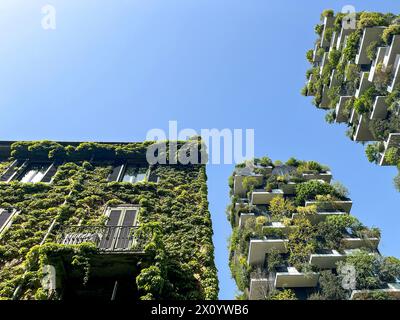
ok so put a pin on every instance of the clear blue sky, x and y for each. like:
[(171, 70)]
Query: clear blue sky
[(113, 69)]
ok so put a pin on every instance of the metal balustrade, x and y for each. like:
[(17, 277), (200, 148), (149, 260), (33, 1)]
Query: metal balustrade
[(106, 238)]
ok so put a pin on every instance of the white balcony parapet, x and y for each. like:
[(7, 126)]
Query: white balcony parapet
[(370, 34), (341, 39), (363, 132), (265, 197), (328, 23), (277, 225), (392, 290), (325, 101), (308, 84), (259, 289), (353, 116), (333, 80), (391, 53), (396, 75), (392, 142), (244, 217), (289, 188), (364, 85), (326, 260), (329, 259), (341, 205), (316, 58), (323, 61), (358, 243), (332, 44), (259, 248), (379, 110), (341, 115), (295, 279), (379, 59), (319, 216), (325, 176), (238, 180)]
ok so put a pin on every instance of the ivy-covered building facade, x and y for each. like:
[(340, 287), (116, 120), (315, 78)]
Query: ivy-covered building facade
[(355, 76), (294, 237), (96, 221)]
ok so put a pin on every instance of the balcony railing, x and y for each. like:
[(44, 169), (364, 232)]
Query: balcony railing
[(106, 238)]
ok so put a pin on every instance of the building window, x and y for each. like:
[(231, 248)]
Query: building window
[(34, 172), (128, 173), (121, 226), (26, 171), (5, 218), (134, 174)]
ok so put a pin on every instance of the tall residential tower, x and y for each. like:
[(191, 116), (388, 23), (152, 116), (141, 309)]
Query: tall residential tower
[(294, 237)]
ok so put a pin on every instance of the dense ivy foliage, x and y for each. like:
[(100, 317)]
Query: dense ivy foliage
[(182, 253)]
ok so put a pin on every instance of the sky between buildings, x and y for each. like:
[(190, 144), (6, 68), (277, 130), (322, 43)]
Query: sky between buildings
[(114, 69)]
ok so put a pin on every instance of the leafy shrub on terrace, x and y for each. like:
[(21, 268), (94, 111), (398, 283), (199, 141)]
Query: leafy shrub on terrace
[(330, 116), (310, 189), (373, 152), (327, 13), (264, 161), (334, 58), (330, 286), (338, 21), (372, 49), (365, 102), (332, 229), (280, 207), (334, 95), (392, 156), (393, 99), (250, 183), (310, 55), (310, 167), (319, 28), (382, 78), (381, 128), (389, 32), (372, 271), (286, 294), (341, 190), (350, 51), (302, 242), (371, 19), (328, 34)]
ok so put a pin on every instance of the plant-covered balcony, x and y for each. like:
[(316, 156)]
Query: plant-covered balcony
[(107, 239), (290, 277), (369, 35)]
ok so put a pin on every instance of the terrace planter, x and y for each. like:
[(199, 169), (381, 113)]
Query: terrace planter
[(342, 205), (370, 34), (295, 279), (326, 260), (259, 248), (341, 115), (260, 197)]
